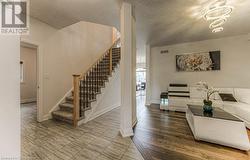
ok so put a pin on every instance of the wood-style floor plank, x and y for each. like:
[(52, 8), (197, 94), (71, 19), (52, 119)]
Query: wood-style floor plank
[(99, 139), (166, 136)]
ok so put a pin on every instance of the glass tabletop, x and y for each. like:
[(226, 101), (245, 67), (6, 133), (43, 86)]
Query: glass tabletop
[(217, 113)]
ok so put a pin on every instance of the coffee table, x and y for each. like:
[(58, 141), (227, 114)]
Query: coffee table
[(219, 127)]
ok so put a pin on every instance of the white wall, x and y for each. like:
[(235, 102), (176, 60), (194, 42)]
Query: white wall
[(148, 73), (29, 85), (109, 98), (65, 52), (10, 97), (39, 33), (235, 65)]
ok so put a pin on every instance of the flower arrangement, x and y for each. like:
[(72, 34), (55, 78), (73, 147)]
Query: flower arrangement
[(203, 86)]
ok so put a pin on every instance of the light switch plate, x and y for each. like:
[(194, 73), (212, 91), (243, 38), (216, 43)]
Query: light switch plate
[(46, 76)]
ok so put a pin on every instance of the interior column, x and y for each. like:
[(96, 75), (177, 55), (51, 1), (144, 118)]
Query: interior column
[(128, 68), (148, 83)]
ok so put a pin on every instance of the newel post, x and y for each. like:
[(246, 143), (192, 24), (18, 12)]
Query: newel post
[(76, 97)]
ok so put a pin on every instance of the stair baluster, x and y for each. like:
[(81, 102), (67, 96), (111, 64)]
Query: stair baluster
[(88, 85), (99, 71), (110, 62), (88, 89)]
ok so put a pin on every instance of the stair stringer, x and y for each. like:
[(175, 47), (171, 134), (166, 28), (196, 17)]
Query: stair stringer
[(56, 107), (109, 99)]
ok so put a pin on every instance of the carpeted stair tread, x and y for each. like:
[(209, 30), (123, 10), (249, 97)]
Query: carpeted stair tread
[(70, 98), (66, 106), (90, 87), (63, 115)]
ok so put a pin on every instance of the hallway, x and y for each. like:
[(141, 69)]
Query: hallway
[(97, 140)]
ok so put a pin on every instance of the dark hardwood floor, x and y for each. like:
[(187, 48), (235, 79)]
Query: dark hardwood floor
[(162, 135)]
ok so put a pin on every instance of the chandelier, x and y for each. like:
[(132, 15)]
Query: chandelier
[(217, 13)]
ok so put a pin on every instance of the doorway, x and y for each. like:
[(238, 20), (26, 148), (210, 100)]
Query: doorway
[(29, 76), (140, 91), (140, 82)]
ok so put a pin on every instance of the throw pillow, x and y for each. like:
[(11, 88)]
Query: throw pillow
[(227, 97)]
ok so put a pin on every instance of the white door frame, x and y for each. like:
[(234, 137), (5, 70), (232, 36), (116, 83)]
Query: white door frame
[(35, 45)]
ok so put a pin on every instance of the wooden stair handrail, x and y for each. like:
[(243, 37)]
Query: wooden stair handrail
[(76, 84), (99, 58)]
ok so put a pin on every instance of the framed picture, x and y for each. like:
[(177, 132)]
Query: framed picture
[(205, 61)]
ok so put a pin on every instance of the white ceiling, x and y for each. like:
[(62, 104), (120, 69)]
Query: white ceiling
[(159, 22), (164, 22), (62, 13)]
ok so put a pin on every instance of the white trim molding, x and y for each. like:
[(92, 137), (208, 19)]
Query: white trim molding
[(28, 100), (46, 117), (56, 107), (148, 75), (35, 44), (98, 107), (135, 122), (128, 132), (155, 101), (101, 112), (95, 115)]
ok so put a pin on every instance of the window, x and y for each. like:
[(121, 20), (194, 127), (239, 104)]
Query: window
[(21, 71)]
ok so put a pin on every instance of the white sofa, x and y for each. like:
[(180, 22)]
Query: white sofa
[(240, 109)]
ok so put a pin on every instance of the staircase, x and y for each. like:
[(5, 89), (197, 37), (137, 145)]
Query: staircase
[(88, 86)]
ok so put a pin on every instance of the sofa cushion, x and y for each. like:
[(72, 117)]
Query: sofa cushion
[(218, 103), (243, 111), (178, 101), (223, 90), (196, 101), (242, 95), (230, 107), (197, 94), (227, 97), (178, 90)]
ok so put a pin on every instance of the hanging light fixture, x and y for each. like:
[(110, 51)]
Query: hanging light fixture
[(217, 11)]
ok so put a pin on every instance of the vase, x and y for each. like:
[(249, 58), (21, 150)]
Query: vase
[(207, 107)]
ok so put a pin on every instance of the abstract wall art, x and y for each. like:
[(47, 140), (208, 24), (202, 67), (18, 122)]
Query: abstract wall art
[(205, 61)]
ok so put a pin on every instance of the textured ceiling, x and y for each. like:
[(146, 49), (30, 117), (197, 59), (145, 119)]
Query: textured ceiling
[(159, 22), (164, 22), (62, 13)]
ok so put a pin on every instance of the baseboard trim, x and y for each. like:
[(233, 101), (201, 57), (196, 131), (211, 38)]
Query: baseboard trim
[(155, 101), (81, 122), (135, 122), (28, 100), (98, 114), (47, 117), (127, 132)]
